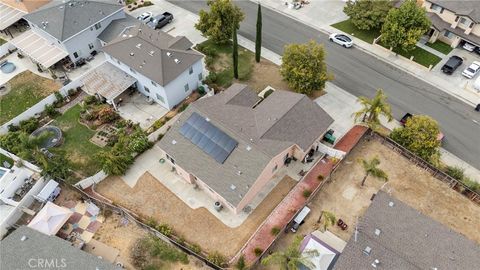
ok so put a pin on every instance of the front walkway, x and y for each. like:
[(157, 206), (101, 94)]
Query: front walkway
[(295, 200)]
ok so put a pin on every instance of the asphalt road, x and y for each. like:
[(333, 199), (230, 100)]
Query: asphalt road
[(361, 74)]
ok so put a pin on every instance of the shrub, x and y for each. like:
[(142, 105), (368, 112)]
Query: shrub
[(13, 128), (195, 248), (138, 142), (211, 78), (165, 229), (183, 107), (307, 193), (471, 184), (258, 251), (241, 265), (72, 91), (165, 252), (267, 93), (160, 136), (151, 222), (209, 51), (181, 241), (201, 90), (90, 100), (275, 230), (209, 60), (29, 125), (147, 3), (139, 253), (107, 114), (216, 258), (58, 98), (51, 111), (455, 172), (320, 177)]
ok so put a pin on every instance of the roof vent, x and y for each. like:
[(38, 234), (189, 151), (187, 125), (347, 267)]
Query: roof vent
[(249, 148), (174, 142), (239, 172), (207, 119), (232, 187), (377, 232), (391, 204), (139, 45), (375, 263), (169, 54), (24, 237), (176, 61), (151, 53), (132, 54), (367, 250)]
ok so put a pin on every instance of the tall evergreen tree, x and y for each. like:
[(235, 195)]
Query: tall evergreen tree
[(258, 40), (235, 52)]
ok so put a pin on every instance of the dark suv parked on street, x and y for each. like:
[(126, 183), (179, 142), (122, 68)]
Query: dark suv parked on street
[(452, 64)]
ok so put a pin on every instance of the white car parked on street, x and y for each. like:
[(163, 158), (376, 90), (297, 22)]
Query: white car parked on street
[(341, 39), (145, 17), (472, 70)]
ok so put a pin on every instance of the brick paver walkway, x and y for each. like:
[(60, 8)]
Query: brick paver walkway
[(294, 200)]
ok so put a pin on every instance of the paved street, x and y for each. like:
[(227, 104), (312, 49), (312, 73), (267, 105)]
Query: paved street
[(361, 74)]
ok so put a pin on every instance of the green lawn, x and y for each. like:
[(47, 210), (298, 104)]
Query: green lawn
[(440, 46), (223, 63), (365, 35), (77, 146), (2, 41), (420, 56), (26, 89)]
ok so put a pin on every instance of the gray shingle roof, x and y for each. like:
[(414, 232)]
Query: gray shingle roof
[(69, 18), (470, 8), (441, 25), (146, 51), (17, 254), (280, 121), (408, 240), (117, 27)]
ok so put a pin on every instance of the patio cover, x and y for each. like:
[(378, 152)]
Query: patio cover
[(9, 16), (50, 219), (39, 49), (107, 81)]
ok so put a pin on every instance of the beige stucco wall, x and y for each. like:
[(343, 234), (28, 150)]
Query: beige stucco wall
[(476, 30), (446, 15)]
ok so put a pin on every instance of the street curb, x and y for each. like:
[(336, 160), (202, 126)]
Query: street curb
[(453, 94)]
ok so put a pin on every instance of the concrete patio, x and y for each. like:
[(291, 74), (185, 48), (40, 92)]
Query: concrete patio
[(137, 109), (22, 64)]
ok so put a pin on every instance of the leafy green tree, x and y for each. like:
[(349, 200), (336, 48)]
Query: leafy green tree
[(371, 168), (404, 26), (372, 109), (115, 161), (329, 219), (258, 38), (235, 53), (420, 135), (218, 23), (292, 258), (55, 167), (303, 67), (367, 14)]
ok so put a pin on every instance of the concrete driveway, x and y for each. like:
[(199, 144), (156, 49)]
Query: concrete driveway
[(183, 20), (457, 78)]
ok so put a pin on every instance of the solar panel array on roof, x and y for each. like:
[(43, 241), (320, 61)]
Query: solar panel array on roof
[(208, 137)]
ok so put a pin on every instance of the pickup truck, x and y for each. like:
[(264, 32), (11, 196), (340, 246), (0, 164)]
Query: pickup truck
[(404, 119), (160, 21)]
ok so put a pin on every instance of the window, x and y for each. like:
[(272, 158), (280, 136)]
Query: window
[(90, 46), (98, 26), (75, 54), (160, 98), (200, 76), (146, 89), (153, 83), (465, 21), (275, 168), (186, 87), (448, 34), (190, 71), (436, 8), (133, 71)]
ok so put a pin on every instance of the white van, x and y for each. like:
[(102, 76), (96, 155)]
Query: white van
[(298, 220)]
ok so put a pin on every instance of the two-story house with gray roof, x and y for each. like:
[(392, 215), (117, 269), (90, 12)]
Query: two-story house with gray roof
[(67, 29), (232, 144), (454, 21)]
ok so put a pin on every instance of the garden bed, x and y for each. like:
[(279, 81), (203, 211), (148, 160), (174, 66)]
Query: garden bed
[(26, 90)]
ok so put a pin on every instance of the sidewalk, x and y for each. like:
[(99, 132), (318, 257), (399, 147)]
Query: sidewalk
[(312, 18)]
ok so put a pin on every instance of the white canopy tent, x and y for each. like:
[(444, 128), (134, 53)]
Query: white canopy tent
[(50, 219)]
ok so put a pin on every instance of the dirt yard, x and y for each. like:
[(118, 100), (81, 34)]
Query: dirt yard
[(149, 198), (348, 200)]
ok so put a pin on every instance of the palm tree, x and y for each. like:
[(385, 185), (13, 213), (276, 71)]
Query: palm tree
[(292, 258), (329, 219), (371, 168), (373, 108)]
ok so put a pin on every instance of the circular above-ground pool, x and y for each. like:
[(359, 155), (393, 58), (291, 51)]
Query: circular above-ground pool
[(53, 136), (7, 67)]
